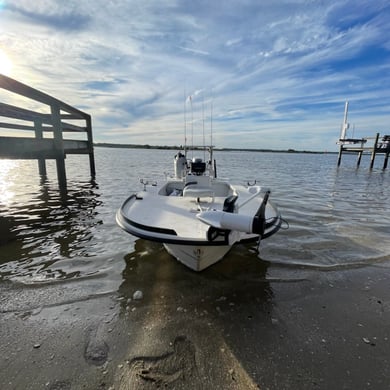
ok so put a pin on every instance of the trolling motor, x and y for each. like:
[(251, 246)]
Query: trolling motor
[(258, 224), (227, 220)]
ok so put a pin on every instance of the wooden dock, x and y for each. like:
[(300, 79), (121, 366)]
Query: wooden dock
[(381, 145), (367, 145), (46, 127)]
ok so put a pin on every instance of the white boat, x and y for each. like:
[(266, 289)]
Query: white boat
[(197, 216)]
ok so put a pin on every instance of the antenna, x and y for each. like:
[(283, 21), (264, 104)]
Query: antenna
[(211, 120), (192, 128), (212, 161), (185, 123), (204, 139)]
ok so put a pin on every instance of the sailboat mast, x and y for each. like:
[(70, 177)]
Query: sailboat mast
[(345, 125)]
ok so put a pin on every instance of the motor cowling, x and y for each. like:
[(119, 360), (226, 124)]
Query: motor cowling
[(224, 220), (197, 166)]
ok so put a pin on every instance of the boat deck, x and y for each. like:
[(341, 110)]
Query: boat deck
[(176, 215)]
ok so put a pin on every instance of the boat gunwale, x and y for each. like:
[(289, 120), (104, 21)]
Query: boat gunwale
[(167, 235)]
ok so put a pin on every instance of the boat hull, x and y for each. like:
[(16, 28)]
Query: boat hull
[(197, 257)]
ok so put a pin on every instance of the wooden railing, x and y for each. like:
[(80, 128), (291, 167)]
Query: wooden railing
[(54, 121)]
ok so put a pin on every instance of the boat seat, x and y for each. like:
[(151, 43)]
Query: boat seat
[(198, 187), (196, 191)]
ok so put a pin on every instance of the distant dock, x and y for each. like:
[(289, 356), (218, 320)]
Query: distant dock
[(45, 127), (381, 145), (376, 145)]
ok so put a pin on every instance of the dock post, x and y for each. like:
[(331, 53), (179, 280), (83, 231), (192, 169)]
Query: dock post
[(39, 135), (58, 144), (359, 158), (340, 153), (373, 154), (90, 147), (386, 159), (61, 172)]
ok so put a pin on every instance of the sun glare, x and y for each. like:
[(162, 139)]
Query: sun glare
[(5, 63), (6, 193)]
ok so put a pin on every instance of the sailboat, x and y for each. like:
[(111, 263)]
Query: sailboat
[(343, 133)]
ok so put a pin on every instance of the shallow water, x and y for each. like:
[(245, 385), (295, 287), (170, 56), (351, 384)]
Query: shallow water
[(338, 218)]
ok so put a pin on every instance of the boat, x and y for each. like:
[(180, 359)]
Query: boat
[(196, 215)]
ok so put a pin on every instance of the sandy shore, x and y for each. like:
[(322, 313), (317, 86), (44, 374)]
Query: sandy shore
[(236, 325)]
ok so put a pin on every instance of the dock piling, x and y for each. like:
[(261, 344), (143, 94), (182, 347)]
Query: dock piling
[(39, 136)]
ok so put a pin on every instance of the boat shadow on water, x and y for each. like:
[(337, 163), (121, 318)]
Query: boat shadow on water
[(150, 266), (186, 318), (232, 325)]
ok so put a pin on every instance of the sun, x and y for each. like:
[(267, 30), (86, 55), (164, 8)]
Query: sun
[(5, 63)]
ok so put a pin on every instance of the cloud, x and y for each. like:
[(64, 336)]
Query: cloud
[(278, 73), (49, 14)]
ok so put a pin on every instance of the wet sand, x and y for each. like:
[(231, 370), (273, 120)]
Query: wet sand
[(237, 325)]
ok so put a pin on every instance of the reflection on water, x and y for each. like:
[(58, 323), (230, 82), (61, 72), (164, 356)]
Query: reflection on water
[(338, 217), (46, 228)]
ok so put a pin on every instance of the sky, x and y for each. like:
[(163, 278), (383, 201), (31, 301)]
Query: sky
[(269, 74)]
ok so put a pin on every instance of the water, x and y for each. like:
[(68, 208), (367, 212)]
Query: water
[(339, 218)]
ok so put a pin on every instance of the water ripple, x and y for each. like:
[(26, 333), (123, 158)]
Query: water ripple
[(339, 217)]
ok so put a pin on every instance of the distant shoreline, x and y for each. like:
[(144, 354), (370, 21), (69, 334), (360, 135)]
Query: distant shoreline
[(179, 147)]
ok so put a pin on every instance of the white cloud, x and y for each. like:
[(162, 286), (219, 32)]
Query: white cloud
[(278, 69)]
